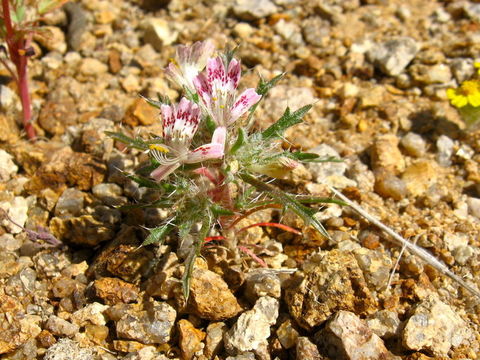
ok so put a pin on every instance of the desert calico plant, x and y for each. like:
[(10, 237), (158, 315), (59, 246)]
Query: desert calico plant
[(210, 169)]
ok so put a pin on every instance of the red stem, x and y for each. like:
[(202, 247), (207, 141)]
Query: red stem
[(17, 53)]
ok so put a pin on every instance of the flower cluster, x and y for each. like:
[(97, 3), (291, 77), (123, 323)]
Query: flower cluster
[(214, 165), (217, 90)]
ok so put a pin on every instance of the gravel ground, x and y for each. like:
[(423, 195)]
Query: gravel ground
[(376, 71)]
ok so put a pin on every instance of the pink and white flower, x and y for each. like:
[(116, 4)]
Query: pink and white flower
[(180, 123), (189, 62), (217, 91)]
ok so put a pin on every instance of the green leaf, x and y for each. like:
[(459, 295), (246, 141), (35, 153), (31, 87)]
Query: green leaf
[(157, 235), (264, 86), (210, 125), (319, 200), (18, 15), (190, 262), (287, 120), (289, 202), (239, 142), (143, 182), (162, 100), (311, 157), (218, 210), (135, 143), (45, 6)]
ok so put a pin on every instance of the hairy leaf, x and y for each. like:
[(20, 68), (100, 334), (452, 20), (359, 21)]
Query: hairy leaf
[(287, 120), (157, 235), (239, 142), (136, 143)]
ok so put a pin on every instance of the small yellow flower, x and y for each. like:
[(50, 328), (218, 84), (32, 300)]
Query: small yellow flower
[(467, 93), (476, 64)]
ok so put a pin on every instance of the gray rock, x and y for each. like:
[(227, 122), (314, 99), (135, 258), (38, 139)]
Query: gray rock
[(346, 337), (462, 69), (17, 211), (92, 67), (148, 327), (22, 283), (8, 242), (158, 33), (252, 328), (436, 74), (244, 356), (214, 339), (252, 9), (330, 173), (414, 144), (260, 282), (66, 349), (290, 31), (316, 31), (70, 203), (60, 327), (474, 206), (90, 314), (393, 56), (375, 265), (7, 167), (8, 98), (444, 150), (333, 281), (434, 327), (109, 193), (384, 323), (306, 349), (287, 335), (472, 10)]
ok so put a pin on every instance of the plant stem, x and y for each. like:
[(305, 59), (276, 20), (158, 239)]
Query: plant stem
[(17, 53)]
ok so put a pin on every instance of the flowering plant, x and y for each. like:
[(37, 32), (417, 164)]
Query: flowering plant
[(466, 98), (211, 186), (18, 23)]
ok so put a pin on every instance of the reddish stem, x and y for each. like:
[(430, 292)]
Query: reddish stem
[(17, 53), (270, 224), (254, 210), (212, 238)]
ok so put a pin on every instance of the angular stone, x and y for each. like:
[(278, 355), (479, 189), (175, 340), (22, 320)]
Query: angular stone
[(83, 230), (90, 314), (346, 337), (190, 339), (385, 154), (419, 176), (60, 327), (214, 339), (434, 327), (113, 291), (252, 328), (394, 55), (7, 166), (262, 283), (252, 9), (152, 326), (334, 282), (210, 297)]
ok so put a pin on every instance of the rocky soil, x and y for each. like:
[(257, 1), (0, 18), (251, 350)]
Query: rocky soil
[(376, 71)]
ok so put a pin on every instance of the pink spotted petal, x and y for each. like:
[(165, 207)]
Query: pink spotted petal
[(168, 120), (216, 75), (174, 74), (203, 88), (163, 171), (233, 75), (244, 102), (219, 135), (200, 52), (205, 152), (187, 118)]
